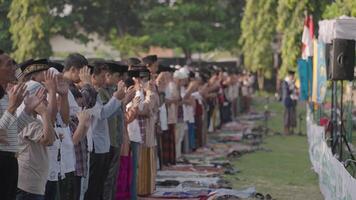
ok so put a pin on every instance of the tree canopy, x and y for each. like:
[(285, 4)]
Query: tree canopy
[(248, 27), (339, 8), (193, 26), (29, 28), (5, 36), (258, 30)]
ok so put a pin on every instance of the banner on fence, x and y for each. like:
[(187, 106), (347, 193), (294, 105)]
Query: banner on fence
[(334, 180)]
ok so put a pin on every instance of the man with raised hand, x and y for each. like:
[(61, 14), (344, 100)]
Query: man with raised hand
[(10, 124)]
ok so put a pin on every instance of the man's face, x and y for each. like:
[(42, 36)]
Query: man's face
[(39, 76), (99, 79), (113, 78), (162, 82), (153, 68), (145, 79), (7, 70), (74, 74)]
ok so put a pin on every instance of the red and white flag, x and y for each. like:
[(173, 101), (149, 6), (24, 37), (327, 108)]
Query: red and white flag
[(308, 36)]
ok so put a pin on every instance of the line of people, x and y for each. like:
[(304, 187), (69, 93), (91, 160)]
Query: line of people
[(100, 130)]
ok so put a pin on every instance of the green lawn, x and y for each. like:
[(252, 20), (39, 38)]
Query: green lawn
[(285, 171)]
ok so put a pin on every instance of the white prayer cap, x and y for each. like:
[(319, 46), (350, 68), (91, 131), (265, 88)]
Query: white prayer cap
[(179, 75), (53, 70), (185, 71)]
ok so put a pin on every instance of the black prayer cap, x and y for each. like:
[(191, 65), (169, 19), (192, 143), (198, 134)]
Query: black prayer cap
[(58, 66), (133, 61), (31, 66), (115, 66), (139, 72), (163, 68), (150, 59), (291, 72)]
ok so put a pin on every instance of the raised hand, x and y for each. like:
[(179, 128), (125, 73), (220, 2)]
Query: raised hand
[(204, 89), (136, 102), (193, 86), (162, 77), (50, 81), (16, 95), (32, 101), (62, 85), (41, 108), (129, 95), (120, 92), (84, 75), (150, 86), (84, 118), (162, 80)]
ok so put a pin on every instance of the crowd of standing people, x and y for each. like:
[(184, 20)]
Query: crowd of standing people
[(101, 130)]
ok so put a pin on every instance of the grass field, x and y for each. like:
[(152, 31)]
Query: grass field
[(283, 172)]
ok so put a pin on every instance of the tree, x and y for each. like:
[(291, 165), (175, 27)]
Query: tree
[(192, 26), (5, 36), (258, 31), (118, 22), (290, 24), (291, 14), (339, 8), (30, 29), (129, 45)]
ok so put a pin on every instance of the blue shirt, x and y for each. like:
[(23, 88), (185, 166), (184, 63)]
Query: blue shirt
[(99, 129)]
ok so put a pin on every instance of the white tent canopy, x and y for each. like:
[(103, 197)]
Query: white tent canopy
[(341, 28)]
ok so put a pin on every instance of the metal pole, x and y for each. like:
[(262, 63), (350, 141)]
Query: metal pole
[(333, 114)]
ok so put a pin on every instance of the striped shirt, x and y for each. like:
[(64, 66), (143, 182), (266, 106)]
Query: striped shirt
[(12, 125)]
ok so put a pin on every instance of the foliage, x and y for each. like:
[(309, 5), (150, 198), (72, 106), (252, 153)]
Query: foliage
[(291, 14), (193, 26), (30, 29), (118, 22), (129, 45), (197, 26), (290, 24), (101, 16), (5, 36), (258, 30), (339, 8)]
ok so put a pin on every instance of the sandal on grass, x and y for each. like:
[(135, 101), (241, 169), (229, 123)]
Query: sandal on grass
[(259, 196), (268, 197)]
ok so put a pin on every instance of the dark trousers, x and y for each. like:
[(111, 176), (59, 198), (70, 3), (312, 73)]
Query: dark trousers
[(52, 188), (22, 195), (225, 113), (168, 146), (67, 186), (8, 175), (98, 172), (191, 135), (134, 149), (66, 189), (110, 182), (199, 131)]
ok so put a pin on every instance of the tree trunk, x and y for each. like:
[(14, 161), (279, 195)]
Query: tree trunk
[(187, 54), (260, 79), (277, 80)]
